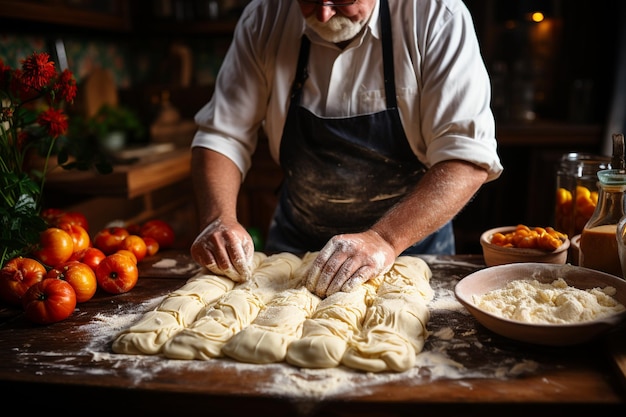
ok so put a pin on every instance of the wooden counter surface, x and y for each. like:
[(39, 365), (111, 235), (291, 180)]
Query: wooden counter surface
[(464, 369)]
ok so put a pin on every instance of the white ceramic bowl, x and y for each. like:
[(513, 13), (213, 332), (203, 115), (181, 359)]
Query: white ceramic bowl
[(500, 255), (488, 279)]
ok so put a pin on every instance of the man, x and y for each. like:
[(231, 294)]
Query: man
[(378, 113)]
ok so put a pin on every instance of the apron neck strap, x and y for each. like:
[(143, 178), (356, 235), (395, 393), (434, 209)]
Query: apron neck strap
[(388, 68)]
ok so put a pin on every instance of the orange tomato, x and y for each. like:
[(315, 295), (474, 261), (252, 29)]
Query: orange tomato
[(55, 247), (136, 245), (80, 237), (80, 276), (108, 240), (17, 276), (128, 253), (117, 274)]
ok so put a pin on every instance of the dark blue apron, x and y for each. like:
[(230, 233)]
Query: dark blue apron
[(343, 174)]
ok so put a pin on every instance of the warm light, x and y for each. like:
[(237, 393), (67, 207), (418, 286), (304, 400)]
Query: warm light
[(537, 16)]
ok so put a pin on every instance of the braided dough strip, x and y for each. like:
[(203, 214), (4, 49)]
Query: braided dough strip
[(325, 335), (234, 311), (178, 310), (394, 328)]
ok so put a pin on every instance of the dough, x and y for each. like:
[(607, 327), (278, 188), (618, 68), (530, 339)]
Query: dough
[(326, 334), (234, 311), (214, 326), (271, 318), (177, 311), (277, 325), (394, 328)]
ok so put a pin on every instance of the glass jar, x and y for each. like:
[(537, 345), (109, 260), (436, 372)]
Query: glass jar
[(598, 241), (577, 190)]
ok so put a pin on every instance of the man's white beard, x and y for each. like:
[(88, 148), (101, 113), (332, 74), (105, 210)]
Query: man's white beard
[(338, 29)]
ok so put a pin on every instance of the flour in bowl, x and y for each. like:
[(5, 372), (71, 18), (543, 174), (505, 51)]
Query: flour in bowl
[(531, 301)]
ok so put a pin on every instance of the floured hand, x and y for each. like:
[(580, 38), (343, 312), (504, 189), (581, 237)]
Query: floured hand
[(348, 261), (224, 247)]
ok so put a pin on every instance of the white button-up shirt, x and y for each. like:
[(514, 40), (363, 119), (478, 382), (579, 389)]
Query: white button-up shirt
[(442, 85)]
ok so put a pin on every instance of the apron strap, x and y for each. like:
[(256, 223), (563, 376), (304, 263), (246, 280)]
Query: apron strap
[(302, 72), (388, 68)]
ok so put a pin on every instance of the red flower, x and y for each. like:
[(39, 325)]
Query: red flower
[(38, 70), (54, 121), (66, 86)]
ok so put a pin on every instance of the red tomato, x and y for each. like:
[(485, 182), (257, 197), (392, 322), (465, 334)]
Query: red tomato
[(50, 215), (80, 237), (108, 240), (49, 301), (80, 276), (159, 231), (17, 276), (90, 256), (152, 246), (117, 273), (136, 245), (74, 217), (133, 228), (55, 216), (55, 246)]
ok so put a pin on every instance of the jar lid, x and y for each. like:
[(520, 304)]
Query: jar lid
[(612, 176), (578, 157)]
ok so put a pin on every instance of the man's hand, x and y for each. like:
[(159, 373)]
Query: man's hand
[(348, 261), (224, 247)]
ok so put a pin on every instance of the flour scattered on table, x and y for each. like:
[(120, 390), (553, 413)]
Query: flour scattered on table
[(451, 340), (165, 263), (530, 301)]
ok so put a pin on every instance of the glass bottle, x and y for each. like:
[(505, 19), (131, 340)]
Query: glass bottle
[(598, 241)]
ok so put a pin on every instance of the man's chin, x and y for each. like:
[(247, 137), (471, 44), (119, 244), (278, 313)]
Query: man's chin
[(337, 29)]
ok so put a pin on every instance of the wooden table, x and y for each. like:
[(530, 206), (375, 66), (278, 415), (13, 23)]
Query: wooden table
[(70, 364)]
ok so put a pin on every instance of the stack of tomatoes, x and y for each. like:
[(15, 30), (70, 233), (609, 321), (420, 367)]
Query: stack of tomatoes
[(68, 266)]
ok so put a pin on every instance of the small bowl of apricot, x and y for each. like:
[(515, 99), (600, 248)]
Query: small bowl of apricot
[(521, 243)]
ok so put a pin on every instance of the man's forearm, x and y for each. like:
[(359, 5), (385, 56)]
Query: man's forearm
[(216, 181), (440, 195)]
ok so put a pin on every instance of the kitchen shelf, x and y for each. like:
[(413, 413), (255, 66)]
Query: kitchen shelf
[(130, 180), (58, 13), (199, 27)]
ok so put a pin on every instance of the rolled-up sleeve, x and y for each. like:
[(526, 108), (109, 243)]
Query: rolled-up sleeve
[(453, 118)]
